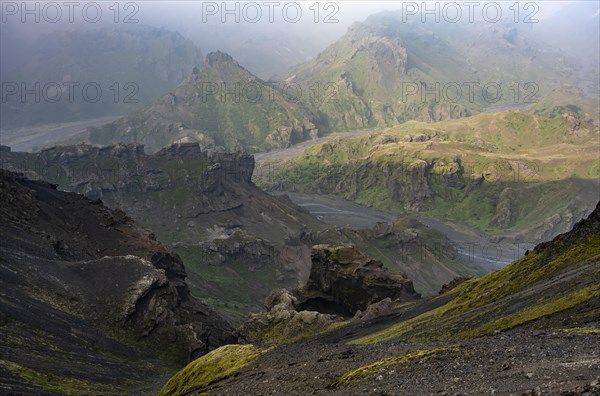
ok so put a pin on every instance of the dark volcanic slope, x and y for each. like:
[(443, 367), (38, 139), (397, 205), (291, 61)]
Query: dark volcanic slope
[(530, 328), (237, 241), (203, 204), (89, 300)]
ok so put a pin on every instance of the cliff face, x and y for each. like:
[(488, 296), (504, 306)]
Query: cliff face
[(180, 185), (353, 280), (343, 282), (70, 266)]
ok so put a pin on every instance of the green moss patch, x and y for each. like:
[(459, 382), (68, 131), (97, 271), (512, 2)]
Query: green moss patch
[(370, 370), (537, 311), (58, 384), (211, 367), (294, 330)]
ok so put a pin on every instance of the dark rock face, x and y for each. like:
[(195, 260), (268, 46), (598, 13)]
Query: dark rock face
[(343, 282), (583, 228), (69, 265), (217, 57), (348, 278)]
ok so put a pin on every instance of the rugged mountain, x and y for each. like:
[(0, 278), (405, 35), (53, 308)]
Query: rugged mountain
[(90, 299), (382, 72), (223, 104), (237, 241), (202, 204), (513, 175), (529, 328), (129, 66), (388, 70)]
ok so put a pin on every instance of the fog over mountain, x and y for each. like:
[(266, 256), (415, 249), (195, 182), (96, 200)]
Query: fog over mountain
[(290, 198)]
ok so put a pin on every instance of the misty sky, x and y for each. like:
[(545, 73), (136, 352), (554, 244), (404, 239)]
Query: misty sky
[(248, 40)]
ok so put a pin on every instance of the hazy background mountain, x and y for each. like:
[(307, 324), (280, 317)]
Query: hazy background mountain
[(389, 69), (53, 51), (125, 67), (213, 106)]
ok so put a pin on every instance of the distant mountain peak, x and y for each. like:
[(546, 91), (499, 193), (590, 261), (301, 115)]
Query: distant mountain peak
[(218, 57)]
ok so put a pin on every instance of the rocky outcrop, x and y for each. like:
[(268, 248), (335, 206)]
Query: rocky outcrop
[(382, 307), (453, 283), (343, 276), (283, 321), (505, 213), (343, 282)]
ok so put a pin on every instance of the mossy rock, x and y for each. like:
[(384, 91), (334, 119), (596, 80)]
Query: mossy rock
[(211, 367)]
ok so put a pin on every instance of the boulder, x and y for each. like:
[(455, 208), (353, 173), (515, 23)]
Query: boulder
[(343, 277)]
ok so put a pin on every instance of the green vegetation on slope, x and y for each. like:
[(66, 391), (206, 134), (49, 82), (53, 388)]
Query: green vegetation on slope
[(372, 369), (503, 299), (211, 367), (494, 301), (58, 384), (504, 173)]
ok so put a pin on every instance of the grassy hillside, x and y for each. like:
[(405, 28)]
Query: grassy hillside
[(506, 173), (558, 279)]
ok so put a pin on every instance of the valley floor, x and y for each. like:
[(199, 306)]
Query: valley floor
[(36, 137), (471, 245), (520, 362)]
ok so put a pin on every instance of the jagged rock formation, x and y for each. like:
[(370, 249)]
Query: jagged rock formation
[(284, 321), (85, 288), (349, 279), (202, 203), (342, 282)]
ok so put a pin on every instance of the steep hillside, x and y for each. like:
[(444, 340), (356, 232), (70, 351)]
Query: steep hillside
[(530, 328), (388, 70), (91, 302), (223, 104), (202, 204)]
